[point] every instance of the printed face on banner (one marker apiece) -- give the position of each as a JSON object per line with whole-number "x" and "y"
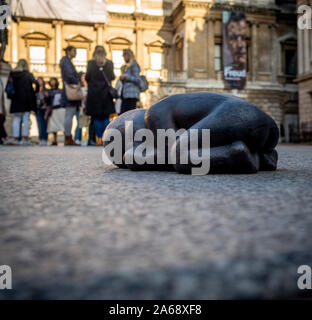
{"x": 234, "y": 49}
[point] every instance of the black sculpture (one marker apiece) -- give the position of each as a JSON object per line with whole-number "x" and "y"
{"x": 242, "y": 137}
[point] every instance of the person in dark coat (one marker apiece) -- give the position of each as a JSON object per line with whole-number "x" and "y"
{"x": 99, "y": 102}
{"x": 69, "y": 76}
{"x": 23, "y": 100}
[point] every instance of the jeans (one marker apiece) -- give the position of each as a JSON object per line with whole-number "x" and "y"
{"x": 78, "y": 131}
{"x": 42, "y": 125}
{"x": 70, "y": 112}
{"x": 17, "y": 119}
{"x": 100, "y": 125}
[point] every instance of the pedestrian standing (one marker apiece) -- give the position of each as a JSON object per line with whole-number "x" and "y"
{"x": 100, "y": 104}
{"x": 23, "y": 100}
{"x": 55, "y": 115}
{"x": 130, "y": 78}
{"x": 41, "y": 98}
{"x": 70, "y": 77}
{"x": 3, "y": 134}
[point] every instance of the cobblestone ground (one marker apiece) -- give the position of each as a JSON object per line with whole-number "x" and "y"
{"x": 72, "y": 228}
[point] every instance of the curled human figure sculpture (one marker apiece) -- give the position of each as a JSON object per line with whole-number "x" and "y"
{"x": 242, "y": 137}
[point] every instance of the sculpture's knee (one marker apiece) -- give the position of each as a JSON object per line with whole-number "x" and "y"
{"x": 268, "y": 161}
{"x": 243, "y": 159}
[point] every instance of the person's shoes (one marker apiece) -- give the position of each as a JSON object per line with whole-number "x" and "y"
{"x": 78, "y": 142}
{"x": 99, "y": 142}
{"x": 26, "y": 143}
{"x": 54, "y": 143}
{"x": 91, "y": 143}
{"x": 11, "y": 142}
{"x": 43, "y": 143}
{"x": 70, "y": 142}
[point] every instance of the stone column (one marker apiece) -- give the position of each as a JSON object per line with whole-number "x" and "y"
{"x": 140, "y": 47}
{"x": 211, "y": 48}
{"x": 14, "y": 41}
{"x": 58, "y": 25}
{"x": 254, "y": 49}
{"x": 99, "y": 34}
{"x": 185, "y": 45}
{"x": 274, "y": 52}
{"x": 306, "y": 51}
{"x": 300, "y": 52}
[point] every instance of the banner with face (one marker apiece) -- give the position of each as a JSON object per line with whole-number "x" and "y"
{"x": 234, "y": 49}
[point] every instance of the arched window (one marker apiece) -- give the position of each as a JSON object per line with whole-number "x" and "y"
{"x": 116, "y": 46}
{"x": 37, "y": 44}
{"x": 83, "y": 46}
{"x": 157, "y": 51}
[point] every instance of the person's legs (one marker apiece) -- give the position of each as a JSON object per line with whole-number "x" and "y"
{"x": 26, "y": 125}
{"x": 16, "y": 124}
{"x": 91, "y": 141}
{"x": 128, "y": 104}
{"x": 3, "y": 134}
{"x": 39, "y": 124}
{"x": 70, "y": 112}
{"x": 44, "y": 126}
{"x": 78, "y": 131}
{"x": 54, "y": 143}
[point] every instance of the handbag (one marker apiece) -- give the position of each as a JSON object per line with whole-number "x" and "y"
{"x": 112, "y": 91}
{"x": 9, "y": 89}
{"x": 73, "y": 92}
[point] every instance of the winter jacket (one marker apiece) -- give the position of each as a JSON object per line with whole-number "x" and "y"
{"x": 131, "y": 84}
{"x": 69, "y": 76}
{"x": 99, "y": 101}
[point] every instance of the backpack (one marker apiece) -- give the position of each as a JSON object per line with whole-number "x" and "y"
{"x": 143, "y": 84}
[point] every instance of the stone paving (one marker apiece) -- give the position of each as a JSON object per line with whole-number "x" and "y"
{"x": 72, "y": 227}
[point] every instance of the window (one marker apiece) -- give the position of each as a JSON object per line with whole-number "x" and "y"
{"x": 118, "y": 61}
{"x": 81, "y": 59}
{"x": 156, "y": 60}
{"x": 289, "y": 58}
{"x": 291, "y": 62}
{"x": 179, "y": 55}
{"x": 218, "y": 57}
{"x": 37, "y": 56}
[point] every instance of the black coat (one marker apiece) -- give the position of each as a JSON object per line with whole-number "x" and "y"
{"x": 99, "y": 102}
{"x": 24, "y": 99}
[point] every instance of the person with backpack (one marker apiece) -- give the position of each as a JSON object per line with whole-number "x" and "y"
{"x": 20, "y": 89}
{"x": 131, "y": 82}
{"x": 100, "y": 104}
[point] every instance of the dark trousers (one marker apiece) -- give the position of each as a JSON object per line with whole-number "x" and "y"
{"x": 128, "y": 104}
{"x": 3, "y": 133}
{"x": 42, "y": 125}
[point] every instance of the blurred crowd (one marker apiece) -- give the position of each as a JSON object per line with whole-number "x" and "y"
{"x": 89, "y": 97}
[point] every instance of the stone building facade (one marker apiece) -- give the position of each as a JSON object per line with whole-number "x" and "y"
{"x": 304, "y": 79}
{"x": 178, "y": 44}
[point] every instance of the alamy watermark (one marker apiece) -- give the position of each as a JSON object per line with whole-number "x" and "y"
{"x": 305, "y": 280}
{"x": 5, "y": 14}
{"x": 143, "y": 147}
{"x": 305, "y": 19}
{"x": 5, "y": 277}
